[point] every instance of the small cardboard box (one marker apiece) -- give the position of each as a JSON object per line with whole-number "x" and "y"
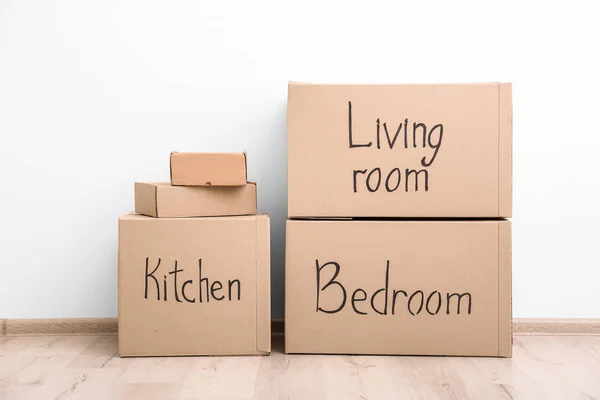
{"x": 194, "y": 286}
{"x": 400, "y": 150}
{"x": 164, "y": 200}
{"x": 399, "y": 287}
{"x": 208, "y": 169}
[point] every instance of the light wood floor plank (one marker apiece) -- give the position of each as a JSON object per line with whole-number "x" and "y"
{"x": 88, "y": 367}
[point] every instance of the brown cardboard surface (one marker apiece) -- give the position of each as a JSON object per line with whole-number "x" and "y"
{"x": 208, "y": 169}
{"x": 505, "y": 151}
{"x": 164, "y": 200}
{"x": 359, "y": 150}
{"x": 233, "y": 251}
{"x": 431, "y": 264}
{"x": 505, "y": 290}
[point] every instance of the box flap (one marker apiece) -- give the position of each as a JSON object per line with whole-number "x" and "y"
{"x": 505, "y": 150}
{"x": 287, "y": 306}
{"x": 145, "y": 199}
{"x": 263, "y": 284}
{"x": 171, "y": 166}
{"x": 246, "y": 165}
{"x": 504, "y": 289}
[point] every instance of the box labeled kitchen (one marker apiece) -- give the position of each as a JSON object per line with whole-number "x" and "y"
{"x": 439, "y": 150}
{"x": 208, "y": 169}
{"x": 165, "y": 200}
{"x": 194, "y": 286}
{"x": 399, "y": 287}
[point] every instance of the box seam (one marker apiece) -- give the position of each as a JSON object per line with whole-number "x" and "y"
{"x": 156, "y": 201}
{"x": 256, "y": 266}
{"x": 499, "y": 298}
{"x": 259, "y": 330}
{"x": 505, "y": 154}
{"x": 286, "y": 333}
{"x": 245, "y": 167}
{"x": 119, "y": 250}
{"x": 498, "y": 186}
{"x": 287, "y": 108}
{"x": 171, "y": 166}
{"x": 505, "y": 331}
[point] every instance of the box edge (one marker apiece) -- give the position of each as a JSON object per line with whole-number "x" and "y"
{"x": 505, "y": 333}
{"x": 263, "y": 274}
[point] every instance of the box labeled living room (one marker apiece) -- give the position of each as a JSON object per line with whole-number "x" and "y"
{"x": 400, "y": 150}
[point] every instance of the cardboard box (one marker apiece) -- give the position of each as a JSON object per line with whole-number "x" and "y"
{"x": 400, "y": 150}
{"x": 208, "y": 169}
{"x": 194, "y": 286}
{"x": 164, "y": 200}
{"x": 399, "y": 287}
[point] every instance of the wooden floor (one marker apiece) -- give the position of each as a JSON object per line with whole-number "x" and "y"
{"x": 88, "y": 367}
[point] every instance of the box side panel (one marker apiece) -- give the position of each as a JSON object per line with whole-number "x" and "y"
{"x": 289, "y": 297}
{"x": 393, "y": 150}
{"x": 245, "y": 167}
{"x": 145, "y": 199}
{"x": 263, "y": 284}
{"x": 505, "y": 150}
{"x": 293, "y": 188}
{"x": 171, "y": 166}
{"x": 121, "y": 235}
{"x": 505, "y": 334}
{"x": 392, "y": 287}
{"x": 203, "y": 201}
{"x": 187, "y": 286}
{"x": 208, "y": 169}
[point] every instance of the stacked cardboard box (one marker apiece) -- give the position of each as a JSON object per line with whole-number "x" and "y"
{"x": 398, "y": 242}
{"x": 194, "y": 263}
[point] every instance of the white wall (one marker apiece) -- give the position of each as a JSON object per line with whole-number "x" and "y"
{"x": 94, "y": 95}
